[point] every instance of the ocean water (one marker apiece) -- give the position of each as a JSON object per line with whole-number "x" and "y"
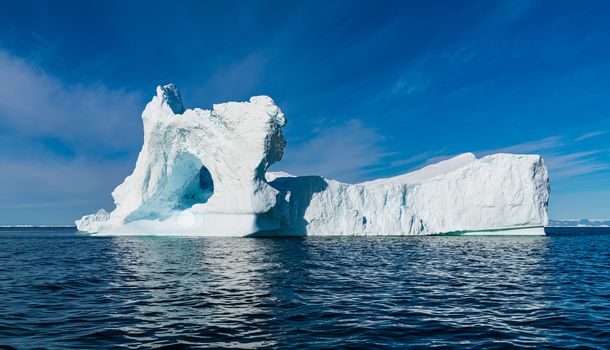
{"x": 63, "y": 290}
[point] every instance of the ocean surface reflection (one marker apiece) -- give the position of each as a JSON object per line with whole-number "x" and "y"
{"x": 64, "y": 290}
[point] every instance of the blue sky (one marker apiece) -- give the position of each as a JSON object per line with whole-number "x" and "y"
{"x": 370, "y": 89}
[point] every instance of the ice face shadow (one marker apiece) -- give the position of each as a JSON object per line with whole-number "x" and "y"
{"x": 291, "y": 209}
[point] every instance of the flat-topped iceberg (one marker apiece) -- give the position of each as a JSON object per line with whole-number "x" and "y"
{"x": 204, "y": 172}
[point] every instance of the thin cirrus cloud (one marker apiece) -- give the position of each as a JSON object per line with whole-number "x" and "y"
{"x": 546, "y": 143}
{"x": 345, "y": 151}
{"x": 353, "y": 152}
{"x": 590, "y": 135}
{"x": 63, "y": 145}
{"x": 85, "y": 116}
{"x": 561, "y": 162}
{"x": 574, "y": 164}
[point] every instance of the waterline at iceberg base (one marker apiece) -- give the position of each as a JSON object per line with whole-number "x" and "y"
{"x": 204, "y": 172}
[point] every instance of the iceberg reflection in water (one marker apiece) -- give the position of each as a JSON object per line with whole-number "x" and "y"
{"x": 64, "y": 290}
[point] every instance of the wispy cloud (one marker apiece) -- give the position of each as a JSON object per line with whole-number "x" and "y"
{"x": 437, "y": 70}
{"x": 353, "y": 152}
{"x": 511, "y": 10}
{"x": 33, "y": 103}
{"x": 418, "y": 158}
{"x": 534, "y": 146}
{"x": 574, "y": 164}
{"x": 561, "y": 161}
{"x": 415, "y": 80}
{"x": 345, "y": 152}
{"x": 590, "y": 135}
{"x": 61, "y": 143}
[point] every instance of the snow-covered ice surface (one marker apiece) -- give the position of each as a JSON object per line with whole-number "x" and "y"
{"x": 204, "y": 172}
{"x": 461, "y": 195}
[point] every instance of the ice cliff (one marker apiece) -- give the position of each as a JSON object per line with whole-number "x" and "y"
{"x": 204, "y": 172}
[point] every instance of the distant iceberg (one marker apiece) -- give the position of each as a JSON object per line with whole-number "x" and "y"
{"x": 204, "y": 172}
{"x": 580, "y": 223}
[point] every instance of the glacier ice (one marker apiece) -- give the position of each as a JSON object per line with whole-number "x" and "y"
{"x": 204, "y": 172}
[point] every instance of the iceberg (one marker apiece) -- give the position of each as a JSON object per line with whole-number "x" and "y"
{"x": 204, "y": 172}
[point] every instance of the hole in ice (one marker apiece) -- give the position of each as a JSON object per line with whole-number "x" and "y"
{"x": 191, "y": 182}
{"x": 201, "y": 187}
{"x": 188, "y": 183}
{"x": 198, "y": 187}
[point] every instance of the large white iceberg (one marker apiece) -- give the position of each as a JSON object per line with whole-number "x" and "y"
{"x": 204, "y": 172}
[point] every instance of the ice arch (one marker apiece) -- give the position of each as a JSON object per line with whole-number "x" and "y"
{"x": 190, "y": 183}
{"x": 199, "y": 171}
{"x": 202, "y": 172}
{"x": 186, "y": 182}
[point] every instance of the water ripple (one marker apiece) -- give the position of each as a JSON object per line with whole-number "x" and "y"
{"x": 61, "y": 290}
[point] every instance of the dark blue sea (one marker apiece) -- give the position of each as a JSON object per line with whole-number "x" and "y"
{"x": 64, "y": 290}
